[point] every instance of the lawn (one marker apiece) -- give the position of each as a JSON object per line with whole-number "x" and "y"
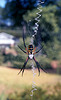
{"x": 10, "y": 81}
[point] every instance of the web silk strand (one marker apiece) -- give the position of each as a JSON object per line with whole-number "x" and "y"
{"x": 35, "y": 31}
{"x": 33, "y": 82}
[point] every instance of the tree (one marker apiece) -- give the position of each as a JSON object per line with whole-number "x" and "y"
{"x": 15, "y": 9}
{"x": 58, "y": 17}
{"x": 48, "y": 23}
{"x": 1, "y": 11}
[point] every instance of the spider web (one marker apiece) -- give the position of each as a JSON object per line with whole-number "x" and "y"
{"x": 33, "y": 31}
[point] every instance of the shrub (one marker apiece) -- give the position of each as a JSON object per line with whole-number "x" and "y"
{"x": 39, "y": 94}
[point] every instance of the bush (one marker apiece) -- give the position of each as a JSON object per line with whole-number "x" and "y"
{"x": 44, "y": 62}
{"x": 39, "y": 94}
{"x": 58, "y": 70}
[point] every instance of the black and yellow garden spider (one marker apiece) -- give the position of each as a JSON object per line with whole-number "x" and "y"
{"x": 31, "y": 51}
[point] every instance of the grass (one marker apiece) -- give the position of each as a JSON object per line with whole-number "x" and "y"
{"x": 10, "y": 81}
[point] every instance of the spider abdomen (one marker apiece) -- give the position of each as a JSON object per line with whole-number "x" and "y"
{"x": 31, "y": 56}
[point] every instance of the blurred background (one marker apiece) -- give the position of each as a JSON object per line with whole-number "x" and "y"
{"x": 17, "y": 16}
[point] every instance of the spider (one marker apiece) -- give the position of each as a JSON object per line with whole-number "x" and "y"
{"x": 31, "y": 51}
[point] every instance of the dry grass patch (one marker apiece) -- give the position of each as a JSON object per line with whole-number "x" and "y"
{"x": 10, "y": 80}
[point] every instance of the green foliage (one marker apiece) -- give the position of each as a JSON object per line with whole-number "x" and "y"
{"x": 8, "y": 57}
{"x": 18, "y": 61}
{"x": 49, "y": 30}
{"x": 53, "y": 49}
{"x": 49, "y": 33}
{"x": 48, "y": 19}
{"x": 15, "y": 11}
{"x": 21, "y": 57}
{"x": 39, "y": 94}
{"x": 14, "y": 96}
{"x": 44, "y": 61}
{"x": 1, "y": 9}
{"x": 49, "y": 52}
{"x": 2, "y": 96}
{"x": 58, "y": 70}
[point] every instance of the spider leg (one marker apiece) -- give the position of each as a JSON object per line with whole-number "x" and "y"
{"x": 37, "y": 51}
{"x": 34, "y": 49}
{"x": 22, "y": 49}
{"x": 22, "y": 69}
{"x": 24, "y": 39}
{"x": 38, "y": 66}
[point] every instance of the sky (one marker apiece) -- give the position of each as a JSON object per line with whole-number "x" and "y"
{"x": 2, "y": 3}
